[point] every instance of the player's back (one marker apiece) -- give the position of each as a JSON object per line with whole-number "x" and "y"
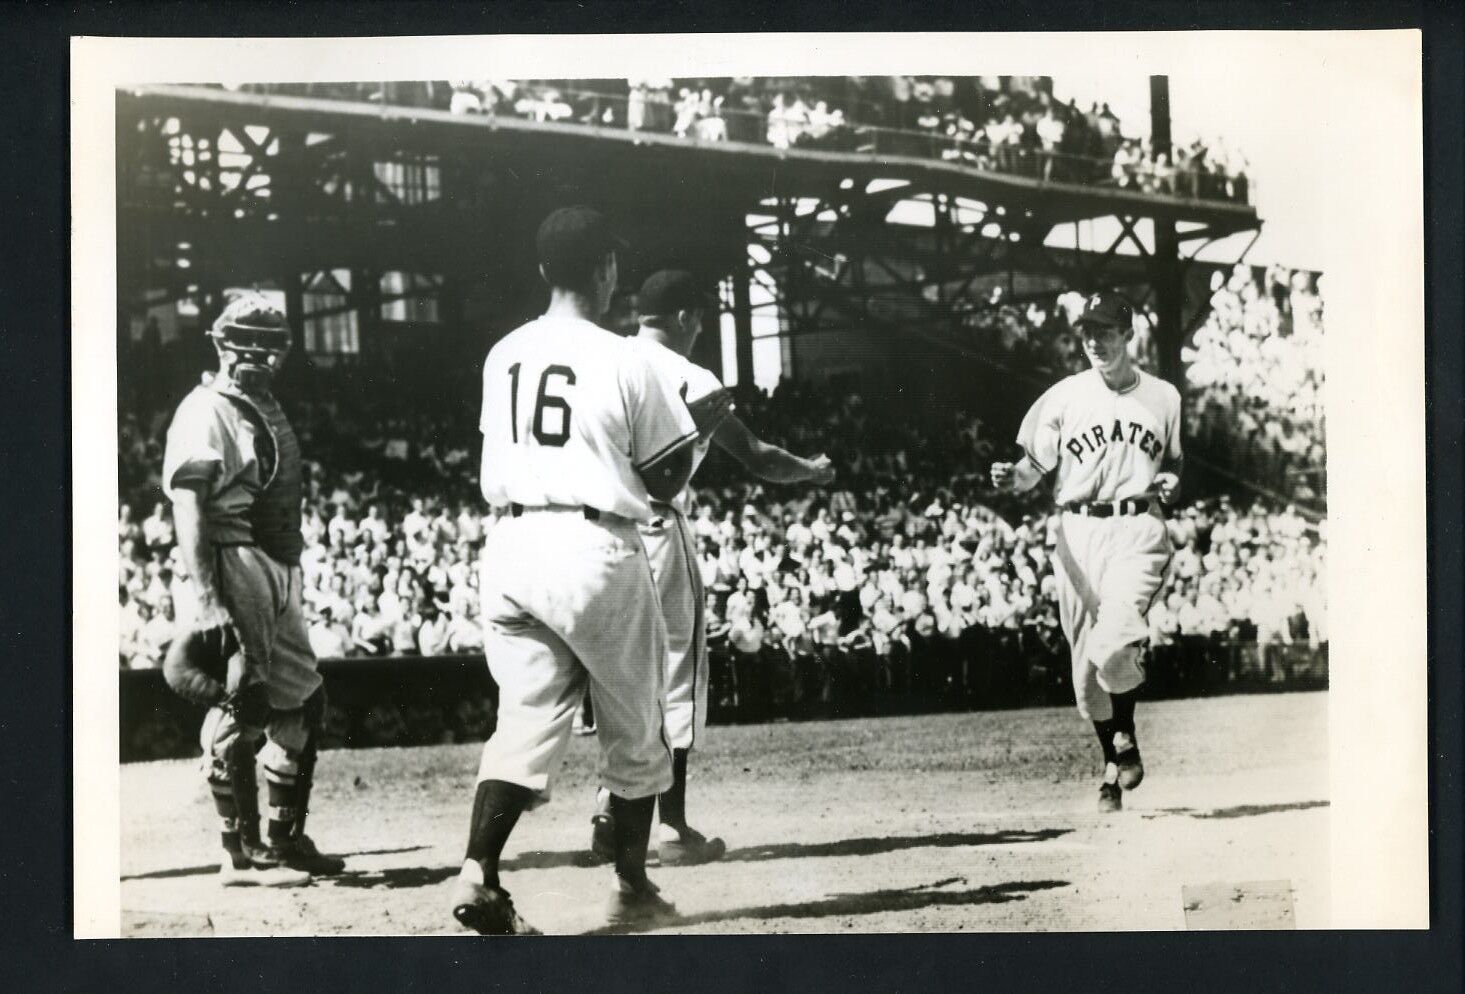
{"x": 560, "y": 419}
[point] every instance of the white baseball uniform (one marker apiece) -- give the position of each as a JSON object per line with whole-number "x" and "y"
{"x": 570, "y": 413}
{"x": 1106, "y": 445}
{"x": 673, "y": 553}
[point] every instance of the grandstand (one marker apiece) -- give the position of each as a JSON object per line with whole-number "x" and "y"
{"x": 903, "y": 269}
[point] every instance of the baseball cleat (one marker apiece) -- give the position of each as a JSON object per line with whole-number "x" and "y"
{"x": 1131, "y": 768}
{"x": 298, "y": 853}
{"x": 690, "y": 848}
{"x": 487, "y": 910}
{"x": 1111, "y": 798}
{"x": 301, "y": 854}
{"x": 603, "y": 838}
{"x": 232, "y": 874}
{"x": 639, "y": 904}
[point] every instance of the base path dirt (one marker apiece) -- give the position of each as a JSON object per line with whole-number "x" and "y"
{"x": 979, "y": 821}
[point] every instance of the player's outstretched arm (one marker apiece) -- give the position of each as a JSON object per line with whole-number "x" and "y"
{"x": 1016, "y": 477}
{"x": 767, "y": 461}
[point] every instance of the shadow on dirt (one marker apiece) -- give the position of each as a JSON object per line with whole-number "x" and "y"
{"x": 870, "y": 903}
{"x": 198, "y": 871}
{"x": 541, "y": 860}
{"x": 421, "y": 876}
{"x": 1239, "y": 811}
{"x": 394, "y": 879}
{"x": 890, "y": 843}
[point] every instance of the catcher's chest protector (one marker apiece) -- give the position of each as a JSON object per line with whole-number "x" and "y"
{"x": 275, "y": 516}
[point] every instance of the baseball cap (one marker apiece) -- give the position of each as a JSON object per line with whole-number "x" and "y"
{"x": 670, "y": 290}
{"x": 1107, "y": 307}
{"x": 573, "y": 237}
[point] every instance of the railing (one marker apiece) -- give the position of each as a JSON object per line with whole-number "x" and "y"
{"x": 718, "y": 124}
{"x": 395, "y": 701}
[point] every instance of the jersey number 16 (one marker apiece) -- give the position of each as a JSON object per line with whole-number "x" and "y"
{"x": 543, "y": 400}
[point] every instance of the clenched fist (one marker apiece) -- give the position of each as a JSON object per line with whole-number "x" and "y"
{"x": 1167, "y": 485}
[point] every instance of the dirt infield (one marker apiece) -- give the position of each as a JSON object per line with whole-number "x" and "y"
{"x": 980, "y": 822}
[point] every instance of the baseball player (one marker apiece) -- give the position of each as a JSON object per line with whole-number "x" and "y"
{"x": 671, "y": 307}
{"x": 1112, "y": 436}
{"x": 232, "y": 469}
{"x": 579, "y": 436}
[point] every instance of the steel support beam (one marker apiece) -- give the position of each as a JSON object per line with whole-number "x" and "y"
{"x": 742, "y": 321}
{"x": 1165, "y": 268}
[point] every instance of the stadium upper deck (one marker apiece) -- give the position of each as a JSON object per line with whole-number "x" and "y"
{"x": 221, "y": 188}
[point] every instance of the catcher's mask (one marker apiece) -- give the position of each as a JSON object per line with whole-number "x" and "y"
{"x": 254, "y": 333}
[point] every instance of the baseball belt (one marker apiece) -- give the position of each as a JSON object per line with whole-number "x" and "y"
{"x": 1108, "y": 508}
{"x": 591, "y": 514}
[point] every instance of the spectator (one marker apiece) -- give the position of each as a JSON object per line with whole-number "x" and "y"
{"x": 1050, "y": 134}
{"x": 370, "y": 634}
{"x": 157, "y": 529}
{"x": 636, "y": 106}
{"x": 374, "y": 524}
{"x": 464, "y": 632}
{"x": 464, "y": 99}
{"x": 128, "y": 530}
{"x": 687, "y": 113}
{"x": 132, "y": 621}
{"x": 432, "y": 630}
{"x": 157, "y": 632}
{"x": 329, "y": 637}
{"x": 710, "y": 126}
{"x": 404, "y": 629}
{"x": 341, "y": 529}
{"x": 779, "y": 133}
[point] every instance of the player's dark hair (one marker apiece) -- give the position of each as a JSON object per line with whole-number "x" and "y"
{"x": 576, "y": 275}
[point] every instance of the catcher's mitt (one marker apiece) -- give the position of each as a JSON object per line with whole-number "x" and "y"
{"x": 196, "y": 666}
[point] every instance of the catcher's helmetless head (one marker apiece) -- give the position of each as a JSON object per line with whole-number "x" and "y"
{"x": 251, "y": 334}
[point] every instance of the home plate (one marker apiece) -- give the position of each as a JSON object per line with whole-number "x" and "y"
{"x": 1260, "y": 904}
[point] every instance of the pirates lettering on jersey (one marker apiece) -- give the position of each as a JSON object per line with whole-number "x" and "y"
{"x": 1093, "y": 440}
{"x": 1102, "y": 444}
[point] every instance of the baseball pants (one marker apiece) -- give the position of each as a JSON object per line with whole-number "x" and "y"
{"x": 262, "y": 596}
{"x": 1110, "y": 570}
{"x": 569, "y": 602}
{"x": 671, "y": 549}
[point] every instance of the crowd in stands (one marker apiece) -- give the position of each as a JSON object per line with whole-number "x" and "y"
{"x": 1254, "y": 378}
{"x": 1038, "y": 335}
{"x": 1010, "y": 124}
{"x": 909, "y": 576}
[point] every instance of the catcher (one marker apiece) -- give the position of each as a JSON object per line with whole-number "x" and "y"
{"x": 232, "y": 469}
